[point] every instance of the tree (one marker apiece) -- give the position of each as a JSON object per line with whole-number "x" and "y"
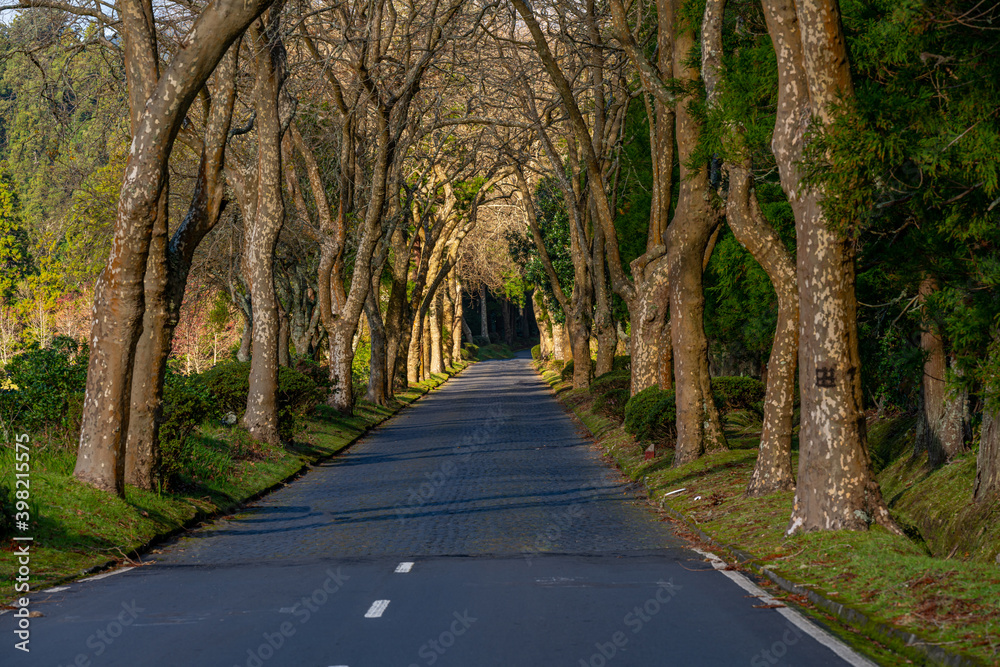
{"x": 836, "y": 487}
{"x": 118, "y": 301}
{"x": 773, "y": 469}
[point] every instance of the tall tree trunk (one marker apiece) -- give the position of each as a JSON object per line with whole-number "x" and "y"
{"x": 119, "y": 292}
{"x": 987, "y": 486}
{"x": 773, "y": 469}
{"x": 261, "y": 236}
{"x": 435, "y": 317}
{"x": 415, "y": 353}
{"x": 688, "y": 236}
{"x": 284, "y": 339}
{"x": 246, "y": 338}
{"x": 836, "y": 486}
{"x": 484, "y": 326}
{"x": 604, "y": 326}
{"x": 426, "y": 348}
{"x": 396, "y": 325}
{"x": 544, "y": 320}
{"x": 943, "y": 415}
{"x": 508, "y": 324}
{"x": 378, "y": 380}
{"x": 458, "y": 320}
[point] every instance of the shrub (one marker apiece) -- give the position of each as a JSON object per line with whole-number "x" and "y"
{"x": 536, "y": 352}
{"x": 652, "y": 415}
{"x": 611, "y": 403}
{"x": 610, "y": 381}
{"x": 622, "y": 362}
{"x": 40, "y": 384}
{"x": 470, "y": 351}
{"x": 7, "y": 508}
{"x": 738, "y": 393}
{"x": 229, "y": 384}
{"x": 567, "y": 372}
{"x": 186, "y": 404}
{"x": 313, "y": 370}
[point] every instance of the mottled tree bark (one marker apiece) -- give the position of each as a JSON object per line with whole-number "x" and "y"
{"x": 261, "y": 236}
{"x": 687, "y": 239}
{"x": 119, "y": 292}
{"x": 435, "y": 316}
{"x": 836, "y": 486}
{"x": 458, "y": 318}
{"x": 773, "y": 469}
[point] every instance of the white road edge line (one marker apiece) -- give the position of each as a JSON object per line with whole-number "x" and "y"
{"x": 404, "y": 567}
{"x": 842, "y": 650}
{"x": 105, "y": 575}
{"x": 377, "y": 609}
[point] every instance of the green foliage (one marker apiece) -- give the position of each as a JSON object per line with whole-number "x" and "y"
{"x": 738, "y": 393}
{"x": 536, "y": 352}
{"x": 741, "y": 309}
{"x": 616, "y": 379}
{"x": 40, "y": 385}
{"x": 612, "y": 403}
{"x": 15, "y": 254}
{"x": 229, "y": 384}
{"x": 7, "y": 508}
{"x": 652, "y": 415}
{"x": 361, "y": 365}
{"x": 187, "y": 402}
{"x": 470, "y": 352}
{"x": 567, "y": 372}
{"x": 611, "y": 392}
{"x": 622, "y": 362}
{"x": 553, "y": 222}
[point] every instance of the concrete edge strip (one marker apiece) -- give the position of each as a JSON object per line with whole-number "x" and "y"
{"x": 847, "y": 615}
{"x": 842, "y": 650}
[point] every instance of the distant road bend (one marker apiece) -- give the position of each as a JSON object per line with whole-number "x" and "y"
{"x": 476, "y": 528}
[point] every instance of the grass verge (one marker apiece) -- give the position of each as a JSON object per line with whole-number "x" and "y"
{"x": 926, "y": 584}
{"x": 77, "y": 529}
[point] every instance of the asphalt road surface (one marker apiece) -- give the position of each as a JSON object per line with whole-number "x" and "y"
{"x": 478, "y": 527}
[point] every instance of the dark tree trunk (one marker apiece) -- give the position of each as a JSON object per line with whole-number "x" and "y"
{"x": 484, "y": 321}
{"x": 987, "y": 484}
{"x": 378, "y": 385}
{"x": 944, "y": 415}
{"x": 284, "y": 338}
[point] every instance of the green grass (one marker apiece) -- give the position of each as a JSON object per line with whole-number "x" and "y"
{"x": 76, "y": 527}
{"x": 910, "y": 583}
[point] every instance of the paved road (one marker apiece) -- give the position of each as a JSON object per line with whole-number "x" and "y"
{"x": 476, "y": 528}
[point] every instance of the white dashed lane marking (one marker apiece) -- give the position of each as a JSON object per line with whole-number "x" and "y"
{"x": 377, "y": 609}
{"x": 404, "y": 567}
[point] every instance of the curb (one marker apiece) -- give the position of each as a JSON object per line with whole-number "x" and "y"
{"x": 849, "y": 616}
{"x": 201, "y": 517}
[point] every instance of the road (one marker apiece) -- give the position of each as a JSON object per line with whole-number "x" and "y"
{"x": 478, "y": 527}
